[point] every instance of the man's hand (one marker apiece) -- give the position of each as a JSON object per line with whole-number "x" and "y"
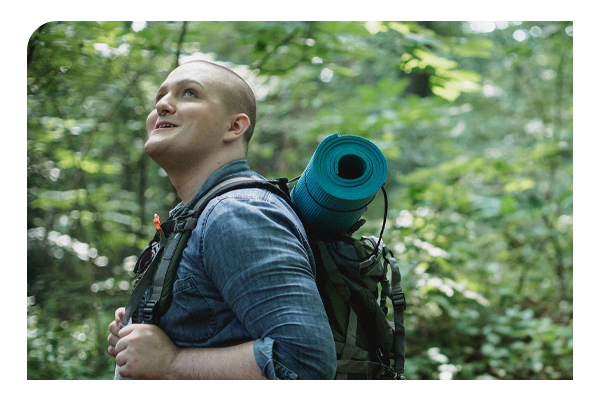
{"x": 114, "y": 329}
{"x": 144, "y": 351}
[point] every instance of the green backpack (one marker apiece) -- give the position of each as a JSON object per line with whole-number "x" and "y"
{"x": 351, "y": 275}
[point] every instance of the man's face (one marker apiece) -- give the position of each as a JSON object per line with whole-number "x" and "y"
{"x": 189, "y": 118}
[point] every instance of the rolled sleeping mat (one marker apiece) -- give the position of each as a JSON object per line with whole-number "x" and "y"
{"x": 341, "y": 179}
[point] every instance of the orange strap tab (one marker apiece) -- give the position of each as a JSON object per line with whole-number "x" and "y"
{"x": 157, "y": 222}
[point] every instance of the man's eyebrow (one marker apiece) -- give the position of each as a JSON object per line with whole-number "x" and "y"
{"x": 182, "y": 82}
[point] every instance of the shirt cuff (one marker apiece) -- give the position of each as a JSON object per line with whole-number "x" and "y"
{"x": 269, "y": 366}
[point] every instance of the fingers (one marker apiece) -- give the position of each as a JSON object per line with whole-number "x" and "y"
{"x": 119, "y": 314}
{"x": 112, "y": 341}
{"x": 120, "y": 360}
{"x": 113, "y": 338}
{"x": 126, "y": 330}
{"x": 119, "y": 344}
{"x": 114, "y": 329}
{"x": 116, "y": 345}
{"x": 112, "y": 351}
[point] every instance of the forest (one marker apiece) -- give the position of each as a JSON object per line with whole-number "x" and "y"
{"x": 475, "y": 120}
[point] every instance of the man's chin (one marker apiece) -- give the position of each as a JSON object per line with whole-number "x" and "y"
{"x": 155, "y": 149}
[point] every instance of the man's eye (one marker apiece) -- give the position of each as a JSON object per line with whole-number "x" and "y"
{"x": 189, "y": 92}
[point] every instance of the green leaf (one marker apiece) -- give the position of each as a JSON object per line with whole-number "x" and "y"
{"x": 480, "y": 48}
{"x": 519, "y": 185}
{"x": 508, "y": 205}
{"x": 344, "y": 71}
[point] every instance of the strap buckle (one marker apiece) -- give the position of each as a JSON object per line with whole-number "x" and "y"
{"x": 387, "y": 373}
{"x": 375, "y": 255}
{"x": 185, "y": 224}
{"x": 370, "y": 261}
{"x": 282, "y": 183}
{"x": 149, "y": 311}
{"x": 398, "y": 299}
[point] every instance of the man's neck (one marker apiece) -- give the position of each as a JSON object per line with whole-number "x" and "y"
{"x": 187, "y": 186}
{"x": 188, "y": 181}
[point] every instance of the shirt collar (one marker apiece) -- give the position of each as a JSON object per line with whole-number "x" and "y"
{"x": 238, "y": 167}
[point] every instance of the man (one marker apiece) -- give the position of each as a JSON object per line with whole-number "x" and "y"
{"x": 245, "y": 304}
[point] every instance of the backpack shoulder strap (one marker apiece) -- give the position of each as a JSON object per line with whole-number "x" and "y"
{"x": 395, "y": 293}
{"x": 160, "y": 274}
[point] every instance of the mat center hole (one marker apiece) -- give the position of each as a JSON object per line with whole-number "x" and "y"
{"x": 351, "y": 166}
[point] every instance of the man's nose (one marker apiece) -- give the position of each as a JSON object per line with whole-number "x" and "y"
{"x": 165, "y": 105}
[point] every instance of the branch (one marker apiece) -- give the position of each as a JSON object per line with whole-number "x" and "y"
{"x": 180, "y": 42}
{"x": 559, "y": 266}
{"x": 558, "y": 120}
{"x": 259, "y": 63}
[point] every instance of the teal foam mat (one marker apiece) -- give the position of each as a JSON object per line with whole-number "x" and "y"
{"x": 343, "y": 176}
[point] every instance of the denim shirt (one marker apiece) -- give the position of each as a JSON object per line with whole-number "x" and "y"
{"x": 246, "y": 274}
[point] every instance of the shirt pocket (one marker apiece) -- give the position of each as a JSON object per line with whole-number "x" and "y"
{"x": 190, "y": 319}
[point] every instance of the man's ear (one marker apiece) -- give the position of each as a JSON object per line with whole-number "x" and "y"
{"x": 239, "y": 124}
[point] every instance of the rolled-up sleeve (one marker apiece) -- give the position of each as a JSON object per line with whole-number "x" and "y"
{"x": 254, "y": 254}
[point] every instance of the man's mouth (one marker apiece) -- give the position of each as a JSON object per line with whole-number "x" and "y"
{"x": 165, "y": 125}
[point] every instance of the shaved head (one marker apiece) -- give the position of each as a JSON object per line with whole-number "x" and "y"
{"x": 234, "y": 92}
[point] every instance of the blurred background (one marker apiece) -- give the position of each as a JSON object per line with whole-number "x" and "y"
{"x": 475, "y": 120}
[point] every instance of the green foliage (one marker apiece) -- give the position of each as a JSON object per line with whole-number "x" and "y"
{"x": 476, "y": 125}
